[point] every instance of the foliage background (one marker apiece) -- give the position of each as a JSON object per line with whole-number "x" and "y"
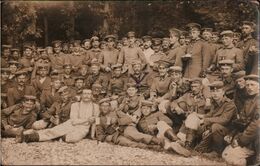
{"x": 44, "y": 21}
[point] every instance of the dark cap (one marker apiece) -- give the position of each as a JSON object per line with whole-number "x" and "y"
{"x": 131, "y": 34}
{"x": 56, "y": 77}
{"x": 27, "y": 46}
{"x": 67, "y": 65}
{"x": 136, "y": 62}
{"x": 29, "y": 97}
{"x": 175, "y": 68}
{"x": 157, "y": 41}
{"x": 6, "y": 46}
{"x": 252, "y": 77}
{"x": 56, "y": 43}
{"x": 79, "y": 78}
{"x": 110, "y": 38}
{"x": 15, "y": 49}
{"x": 239, "y": 74}
{"x": 251, "y": 24}
{"x": 215, "y": 33}
{"x": 216, "y": 85}
{"x": 43, "y": 66}
{"x": 175, "y": 32}
{"x": 104, "y": 100}
{"x": 196, "y": 81}
{"x": 226, "y": 62}
{"x": 193, "y": 26}
{"x": 147, "y": 103}
{"x": 165, "y": 63}
{"x": 22, "y": 72}
{"x": 147, "y": 38}
{"x": 63, "y": 89}
{"x": 207, "y": 29}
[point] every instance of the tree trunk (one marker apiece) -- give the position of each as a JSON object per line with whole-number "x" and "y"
{"x": 46, "y": 34}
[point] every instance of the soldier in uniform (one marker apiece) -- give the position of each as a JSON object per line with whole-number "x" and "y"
{"x": 216, "y": 123}
{"x": 49, "y": 96}
{"x": 249, "y": 46}
{"x": 236, "y": 38}
{"x": 77, "y": 57}
{"x": 97, "y": 92}
{"x": 27, "y": 60}
{"x": 18, "y": 117}
{"x": 58, "y": 113}
{"x": 15, "y": 54}
{"x": 86, "y": 44}
{"x": 131, "y": 53}
{"x": 6, "y": 52}
{"x": 5, "y": 84}
{"x": 166, "y": 43}
{"x": 108, "y": 56}
{"x": 95, "y": 51}
{"x": 13, "y": 67}
{"x": 42, "y": 80}
{"x": 228, "y": 51}
{"x": 67, "y": 75}
{"x": 247, "y": 121}
{"x": 141, "y": 79}
{"x": 57, "y": 58}
{"x": 240, "y": 89}
{"x": 197, "y": 54}
{"x": 78, "y": 87}
{"x": 16, "y": 93}
{"x": 176, "y": 52}
{"x": 147, "y": 50}
{"x": 158, "y": 54}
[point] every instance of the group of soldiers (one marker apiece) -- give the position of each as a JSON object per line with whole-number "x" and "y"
{"x": 196, "y": 90}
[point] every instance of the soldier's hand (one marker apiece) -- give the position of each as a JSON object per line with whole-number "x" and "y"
{"x": 54, "y": 120}
{"x": 107, "y": 69}
{"x": 253, "y": 49}
{"x": 7, "y": 127}
{"x": 91, "y": 120}
{"x": 228, "y": 139}
{"x": 234, "y": 143}
{"x": 179, "y": 110}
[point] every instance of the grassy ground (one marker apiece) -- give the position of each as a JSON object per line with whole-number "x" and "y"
{"x": 89, "y": 152}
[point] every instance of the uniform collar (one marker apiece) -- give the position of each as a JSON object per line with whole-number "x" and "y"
{"x": 247, "y": 38}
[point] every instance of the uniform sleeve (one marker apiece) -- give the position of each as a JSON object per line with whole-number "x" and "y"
{"x": 100, "y": 133}
{"x": 86, "y": 59}
{"x": 206, "y": 56}
{"x": 250, "y": 133}
{"x": 239, "y": 64}
{"x": 141, "y": 55}
{"x": 121, "y": 56}
{"x": 164, "y": 118}
{"x": 10, "y": 97}
{"x": 180, "y": 53}
{"x": 47, "y": 114}
{"x": 226, "y": 117}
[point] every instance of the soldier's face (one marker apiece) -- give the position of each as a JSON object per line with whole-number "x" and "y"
{"x": 217, "y": 94}
{"x": 165, "y": 44}
{"x": 194, "y": 34}
{"x": 206, "y": 36}
{"x": 196, "y": 88}
{"x": 95, "y": 70}
{"x": 56, "y": 84}
{"x": 87, "y": 45}
{"x": 215, "y": 38}
{"x": 43, "y": 72}
{"x": 83, "y": 70}
{"x": 252, "y": 87}
{"x": 182, "y": 41}
{"x": 110, "y": 44}
{"x": 146, "y": 110}
{"x": 28, "y": 105}
{"x": 173, "y": 39}
{"x": 125, "y": 42}
{"x": 86, "y": 95}
{"x": 137, "y": 68}
{"x": 117, "y": 72}
{"x": 241, "y": 83}
{"x": 95, "y": 44}
{"x": 131, "y": 40}
{"x": 65, "y": 48}
{"x": 13, "y": 68}
{"x": 131, "y": 91}
{"x": 105, "y": 108}
{"x": 147, "y": 44}
{"x": 28, "y": 52}
{"x": 79, "y": 84}
{"x": 67, "y": 70}
{"x": 156, "y": 48}
{"x": 65, "y": 96}
{"x": 4, "y": 76}
{"x": 176, "y": 76}
{"x": 162, "y": 70}
{"x": 49, "y": 50}
{"x": 226, "y": 40}
{"x": 226, "y": 71}
{"x": 96, "y": 91}
{"x": 21, "y": 79}
{"x": 119, "y": 46}
{"x": 57, "y": 49}
{"x": 16, "y": 55}
{"x": 246, "y": 30}
{"x": 6, "y": 52}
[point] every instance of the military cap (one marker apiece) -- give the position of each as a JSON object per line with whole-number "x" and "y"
{"x": 13, "y": 62}
{"x": 67, "y": 65}
{"x": 147, "y": 38}
{"x": 146, "y": 103}
{"x": 239, "y": 74}
{"x": 48, "y": 47}
{"x": 196, "y": 80}
{"x": 22, "y": 72}
{"x": 131, "y": 34}
{"x": 94, "y": 38}
{"x": 183, "y": 34}
{"x": 96, "y": 85}
{"x": 110, "y": 38}
{"x": 6, "y": 46}
{"x": 29, "y": 97}
{"x": 54, "y": 72}
{"x": 124, "y": 38}
{"x": 176, "y": 68}
{"x": 116, "y": 66}
{"x": 166, "y": 39}
{"x": 227, "y": 33}
{"x": 136, "y": 62}
{"x": 40, "y": 50}
{"x": 3, "y": 94}
{"x": 43, "y": 66}
{"x": 193, "y": 26}
{"x": 104, "y": 100}
{"x": 63, "y": 89}
{"x": 86, "y": 40}
{"x": 103, "y": 42}
{"x": 79, "y": 78}
{"x": 165, "y": 63}
{"x": 157, "y": 41}
{"x": 15, "y": 49}
{"x": 56, "y": 77}
{"x": 252, "y": 77}
{"x": 5, "y": 70}
{"x": 76, "y": 42}
{"x": 215, "y": 33}
{"x": 251, "y": 24}
{"x": 207, "y": 29}
{"x": 139, "y": 40}
{"x": 175, "y": 31}
{"x": 131, "y": 85}
{"x": 56, "y": 43}
{"x": 226, "y": 62}
{"x": 27, "y": 46}
{"x": 216, "y": 85}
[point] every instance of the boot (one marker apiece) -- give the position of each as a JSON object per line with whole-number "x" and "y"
{"x": 157, "y": 141}
{"x": 19, "y": 135}
{"x": 180, "y": 149}
{"x": 190, "y": 137}
{"x": 34, "y": 137}
{"x": 171, "y": 135}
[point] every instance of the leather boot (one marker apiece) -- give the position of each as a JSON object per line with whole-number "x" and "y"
{"x": 171, "y": 135}
{"x": 34, "y": 137}
{"x": 19, "y": 135}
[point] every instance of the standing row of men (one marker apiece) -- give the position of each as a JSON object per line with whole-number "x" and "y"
{"x": 181, "y": 93}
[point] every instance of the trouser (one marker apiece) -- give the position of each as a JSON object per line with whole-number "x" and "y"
{"x": 39, "y": 125}
{"x": 124, "y": 141}
{"x": 10, "y": 133}
{"x": 71, "y": 133}
{"x": 218, "y": 134}
{"x": 132, "y": 133}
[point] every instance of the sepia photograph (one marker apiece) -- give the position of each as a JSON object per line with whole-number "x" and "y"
{"x": 130, "y": 82}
